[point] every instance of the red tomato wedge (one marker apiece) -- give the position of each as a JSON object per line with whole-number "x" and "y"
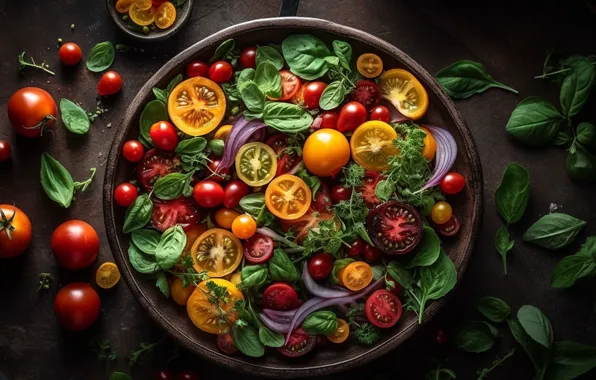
{"x": 290, "y": 85}
{"x": 383, "y": 309}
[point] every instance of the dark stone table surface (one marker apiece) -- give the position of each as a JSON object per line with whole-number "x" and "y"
{"x": 510, "y": 37}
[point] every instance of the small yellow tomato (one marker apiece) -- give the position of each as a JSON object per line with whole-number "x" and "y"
{"x": 441, "y": 212}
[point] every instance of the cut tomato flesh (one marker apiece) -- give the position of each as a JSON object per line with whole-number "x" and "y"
{"x": 218, "y": 252}
{"x": 181, "y": 211}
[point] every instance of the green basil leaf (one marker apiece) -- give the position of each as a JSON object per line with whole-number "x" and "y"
{"x": 281, "y": 267}
{"x": 586, "y": 134}
{"x": 554, "y": 231}
{"x": 503, "y": 244}
{"x": 287, "y": 118}
{"x": 333, "y": 95}
{"x": 535, "y": 351}
{"x": 56, "y": 181}
{"x": 428, "y": 250}
{"x": 562, "y": 139}
{"x": 270, "y": 338}
{"x": 74, "y": 117}
{"x": 466, "y": 78}
{"x": 170, "y": 247}
{"x": 271, "y": 55}
{"x": 312, "y": 181}
{"x": 343, "y": 51}
{"x": 146, "y": 240}
{"x": 588, "y": 248}
{"x": 268, "y": 80}
{"x": 337, "y": 266}
{"x": 253, "y": 204}
{"x": 402, "y": 275}
{"x": 513, "y": 193}
{"x": 142, "y": 263}
{"x": 101, "y": 57}
{"x": 253, "y": 97}
{"x": 571, "y": 269}
{"x": 246, "y": 76}
{"x": 119, "y": 376}
{"x": 217, "y": 146}
{"x": 191, "y": 146}
{"x": 475, "y": 337}
{"x": 570, "y": 360}
{"x": 384, "y": 190}
{"x": 581, "y": 164}
{"x": 153, "y": 112}
{"x": 138, "y": 214}
{"x": 576, "y": 88}
{"x": 253, "y": 276}
{"x": 332, "y": 60}
{"x": 378, "y": 271}
{"x": 536, "y": 325}
{"x": 320, "y": 323}
{"x": 171, "y": 186}
{"x": 161, "y": 95}
{"x": 223, "y": 50}
{"x": 162, "y": 284}
{"x": 535, "y": 121}
{"x": 305, "y": 55}
{"x": 495, "y": 309}
{"x": 173, "y": 83}
{"x": 247, "y": 341}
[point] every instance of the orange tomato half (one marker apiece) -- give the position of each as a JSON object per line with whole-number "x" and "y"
{"x": 356, "y": 276}
{"x": 372, "y": 145}
{"x": 341, "y": 333}
{"x": 213, "y": 318}
{"x": 217, "y": 251}
{"x": 288, "y": 197}
{"x": 166, "y": 15}
{"x": 430, "y": 145}
{"x": 369, "y": 65}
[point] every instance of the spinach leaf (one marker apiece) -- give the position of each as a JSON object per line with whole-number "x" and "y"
{"x": 101, "y": 57}
{"x": 428, "y": 249}
{"x": 305, "y": 55}
{"x": 503, "y": 244}
{"x": 570, "y": 360}
{"x": 333, "y": 95}
{"x": 554, "y": 231}
{"x": 138, "y": 214}
{"x": 253, "y": 97}
{"x": 119, "y": 376}
{"x": 173, "y": 83}
{"x": 513, "y": 193}
{"x": 217, "y": 146}
{"x": 153, "y": 112}
{"x": 161, "y": 282}
{"x": 435, "y": 281}
{"x": 337, "y": 266}
{"x": 466, "y": 78}
{"x": 56, "y": 181}
{"x": 246, "y": 76}
{"x": 320, "y": 323}
{"x": 223, "y": 50}
{"x": 576, "y": 88}
{"x": 571, "y": 269}
{"x": 268, "y": 79}
{"x": 581, "y": 164}
{"x": 171, "y": 186}
{"x": 476, "y": 337}
{"x": 170, "y": 247}
{"x": 74, "y": 117}
{"x": 343, "y": 51}
{"x": 247, "y": 341}
{"x": 537, "y": 353}
{"x": 536, "y": 325}
{"x": 253, "y": 276}
{"x": 588, "y": 249}
{"x": 142, "y": 263}
{"x": 161, "y": 95}
{"x": 146, "y": 240}
{"x": 271, "y": 55}
{"x": 286, "y": 118}
{"x": 586, "y": 134}
{"x": 281, "y": 267}
{"x": 191, "y": 146}
{"x": 401, "y": 274}
{"x": 535, "y": 121}
{"x": 495, "y": 309}
{"x": 270, "y": 338}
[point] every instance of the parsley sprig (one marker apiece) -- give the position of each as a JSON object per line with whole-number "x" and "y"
{"x": 365, "y": 333}
{"x": 190, "y": 276}
{"x": 103, "y": 349}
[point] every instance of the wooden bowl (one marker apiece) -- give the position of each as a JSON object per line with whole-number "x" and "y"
{"x": 330, "y": 358}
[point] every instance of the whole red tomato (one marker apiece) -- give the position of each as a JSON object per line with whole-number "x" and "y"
{"x": 125, "y": 194}
{"x": 5, "y": 150}
{"x": 189, "y": 374}
{"x": 165, "y": 374}
{"x": 133, "y": 151}
{"x": 320, "y": 266}
{"x": 370, "y": 253}
{"x": 220, "y": 72}
{"x": 75, "y": 244}
{"x": 77, "y": 306}
{"x": 208, "y": 194}
{"x": 248, "y": 57}
{"x": 234, "y": 192}
{"x": 329, "y": 119}
{"x": 70, "y": 53}
{"x": 109, "y": 84}
{"x": 312, "y": 94}
{"x": 218, "y": 174}
{"x": 380, "y": 113}
{"x": 355, "y": 248}
{"x": 164, "y": 136}
{"x": 340, "y": 193}
{"x": 351, "y": 116}
{"x": 31, "y": 110}
{"x": 15, "y": 234}
{"x": 197, "y": 69}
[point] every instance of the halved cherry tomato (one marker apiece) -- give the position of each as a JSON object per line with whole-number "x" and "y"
{"x": 143, "y": 4}
{"x": 441, "y": 212}
{"x": 355, "y": 276}
{"x": 329, "y": 119}
{"x": 322, "y": 199}
{"x": 369, "y": 65}
{"x": 234, "y": 192}
{"x": 142, "y": 17}
{"x": 351, "y": 116}
{"x": 300, "y": 343}
{"x": 221, "y": 71}
{"x": 368, "y": 191}
{"x": 133, "y": 151}
{"x": 123, "y": 6}
{"x": 180, "y": 211}
{"x": 224, "y": 217}
{"x": 288, "y": 197}
{"x": 180, "y": 294}
{"x": 166, "y": 15}
{"x": 325, "y": 152}
{"x": 248, "y": 57}
{"x": 286, "y": 159}
{"x": 405, "y": 92}
{"x": 156, "y": 164}
{"x": 107, "y": 275}
{"x": 202, "y": 311}
{"x": 367, "y": 93}
{"x": 197, "y": 106}
{"x": 449, "y": 228}
{"x": 383, "y": 309}
{"x": 244, "y": 226}
{"x": 341, "y": 333}
{"x": 290, "y": 85}
{"x": 280, "y": 296}
{"x": 312, "y": 94}
{"x": 380, "y": 113}
{"x": 226, "y": 344}
{"x": 223, "y": 132}
{"x": 163, "y": 134}
{"x": 197, "y": 69}
{"x": 258, "y": 249}
{"x": 452, "y": 183}
{"x": 430, "y": 145}
{"x": 256, "y": 164}
{"x": 372, "y": 145}
{"x": 217, "y": 251}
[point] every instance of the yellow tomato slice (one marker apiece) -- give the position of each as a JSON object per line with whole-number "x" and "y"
{"x": 166, "y": 15}
{"x": 256, "y": 164}
{"x": 288, "y": 197}
{"x": 197, "y": 106}
{"x": 356, "y": 276}
{"x": 369, "y": 65}
{"x": 143, "y": 4}
{"x": 430, "y": 145}
{"x": 372, "y": 145}
{"x": 141, "y": 17}
{"x": 123, "y": 6}
{"x": 223, "y": 132}
{"x": 107, "y": 275}
{"x": 341, "y": 333}
{"x": 210, "y": 314}
{"x": 405, "y": 92}
{"x": 217, "y": 251}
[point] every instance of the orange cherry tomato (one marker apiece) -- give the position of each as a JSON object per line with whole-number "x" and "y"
{"x": 341, "y": 333}
{"x": 180, "y": 294}
{"x": 122, "y": 6}
{"x": 244, "y": 226}
{"x": 217, "y": 251}
{"x": 372, "y": 145}
{"x": 107, "y": 275}
{"x": 223, "y": 132}
{"x": 236, "y": 279}
{"x": 208, "y": 317}
{"x": 325, "y": 152}
{"x": 405, "y": 92}
{"x": 369, "y": 65}
{"x": 143, "y": 4}
{"x": 441, "y": 212}
{"x": 224, "y": 217}
{"x": 430, "y": 145}
{"x": 356, "y": 276}
{"x": 290, "y": 85}
{"x": 288, "y": 197}
{"x": 166, "y": 15}
{"x": 142, "y": 17}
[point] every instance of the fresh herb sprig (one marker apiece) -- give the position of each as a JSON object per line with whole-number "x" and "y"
{"x": 144, "y": 348}
{"x": 483, "y": 373}
{"x": 23, "y": 64}
{"x": 364, "y": 332}
{"x": 103, "y": 349}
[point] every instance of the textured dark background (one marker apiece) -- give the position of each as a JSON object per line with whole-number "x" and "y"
{"x": 510, "y": 38}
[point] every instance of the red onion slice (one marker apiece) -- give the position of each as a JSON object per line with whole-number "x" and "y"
{"x": 240, "y": 134}
{"x": 318, "y": 290}
{"x": 445, "y": 156}
{"x": 279, "y": 314}
{"x": 395, "y": 115}
{"x": 281, "y": 328}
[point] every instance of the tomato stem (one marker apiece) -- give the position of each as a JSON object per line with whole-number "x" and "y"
{"x": 6, "y": 224}
{"x": 23, "y": 63}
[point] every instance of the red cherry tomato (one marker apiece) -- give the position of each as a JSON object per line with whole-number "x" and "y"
{"x": 441, "y": 337}
{"x": 109, "y": 84}
{"x": 208, "y": 194}
{"x": 322, "y": 201}
{"x": 164, "y": 136}
{"x": 280, "y": 296}
{"x": 189, "y": 374}
{"x": 248, "y": 57}
{"x": 17, "y": 222}
{"x": 181, "y": 211}
{"x": 31, "y": 110}
{"x": 226, "y": 344}
{"x": 290, "y": 85}
{"x": 340, "y": 193}
{"x": 355, "y": 248}
{"x": 70, "y": 53}
{"x": 380, "y": 113}
{"x": 351, "y": 116}
{"x": 77, "y": 306}
{"x": 329, "y": 119}
{"x": 370, "y": 253}
{"x": 75, "y": 244}
{"x": 133, "y": 151}
{"x": 4, "y": 150}
{"x": 320, "y": 266}
{"x": 220, "y": 72}
{"x": 234, "y": 192}
{"x": 125, "y": 194}
{"x": 197, "y": 69}
{"x": 165, "y": 374}
{"x": 453, "y": 183}
{"x": 312, "y": 94}
{"x": 383, "y": 309}
{"x": 258, "y": 249}
{"x": 218, "y": 174}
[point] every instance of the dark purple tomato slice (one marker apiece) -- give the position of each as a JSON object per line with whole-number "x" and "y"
{"x": 258, "y": 249}
{"x": 450, "y": 228}
{"x": 394, "y": 227}
{"x": 300, "y": 343}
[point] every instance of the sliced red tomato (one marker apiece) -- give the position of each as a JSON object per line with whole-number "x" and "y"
{"x": 156, "y": 164}
{"x": 280, "y": 296}
{"x": 305, "y": 223}
{"x": 258, "y": 249}
{"x": 368, "y": 190}
{"x": 290, "y": 85}
{"x": 286, "y": 159}
{"x": 450, "y": 228}
{"x": 300, "y": 343}
{"x": 182, "y": 211}
{"x": 383, "y": 309}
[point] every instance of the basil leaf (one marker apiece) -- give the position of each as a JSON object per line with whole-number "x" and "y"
{"x": 332, "y": 60}
{"x": 170, "y": 247}
{"x": 535, "y": 121}
{"x": 554, "y": 231}
{"x": 146, "y": 240}
{"x": 576, "y": 88}
{"x": 74, "y": 117}
{"x": 581, "y": 164}
{"x": 171, "y": 186}
{"x": 253, "y": 276}
{"x": 153, "y": 112}
{"x": 163, "y": 284}
{"x": 253, "y": 97}
{"x": 536, "y": 325}
{"x": 466, "y": 78}
{"x": 495, "y": 309}
{"x": 161, "y": 95}
{"x": 246, "y": 76}
{"x": 435, "y": 281}
{"x": 570, "y": 360}
{"x": 312, "y": 181}
{"x": 361, "y": 231}
{"x": 378, "y": 271}
{"x": 173, "y": 83}
{"x": 253, "y": 204}
{"x": 119, "y": 376}
{"x": 586, "y": 134}
{"x": 101, "y": 57}
{"x": 400, "y": 274}
{"x": 281, "y": 267}
{"x": 270, "y": 338}
{"x": 268, "y": 79}
{"x": 320, "y": 323}
{"x": 333, "y": 95}
{"x": 286, "y": 118}
{"x": 223, "y": 50}
{"x": 562, "y": 139}
{"x": 384, "y": 189}
{"x": 503, "y": 244}
{"x": 571, "y": 269}
{"x": 305, "y": 55}
{"x": 475, "y": 337}
{"x": 142, "y": 263}
{"x": 191, "y": 146}
{"x": 337, "y": 266}
{"x": 138, "y": 214}
{"x": 343, "y": 51}
{"x": 271, "y": 55}
{"x": 428, "y": 249}
{"x": 56, "y": 181}
{"x": 513, "y": 193}
{"x": 588, "y": 248}
{"x": 247, "y": 341}
{"x": 217, "y": 146}
{"x": 535, "y": 351}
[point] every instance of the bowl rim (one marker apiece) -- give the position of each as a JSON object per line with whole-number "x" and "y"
{"x": 469, "y": 149}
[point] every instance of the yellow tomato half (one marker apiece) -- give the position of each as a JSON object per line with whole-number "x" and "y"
{"x": 405, "y": 92}
{"x": 372, "y": 145}
{"x": 356, "y": 276}
{"x": 166, "y": 15}
{"x": 288, "y": 197}
{"x": 141, "y": 17}
{"x": 256, "y": 164}
{"x": 369, "y": 65}
{"x": 217, "y": 251}
{"x": 213, "y": 315}
{"x": 341, "y": 333}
